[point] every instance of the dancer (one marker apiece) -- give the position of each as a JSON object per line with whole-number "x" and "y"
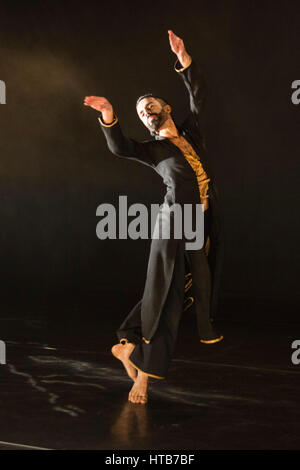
{"x": 178, "y": 154}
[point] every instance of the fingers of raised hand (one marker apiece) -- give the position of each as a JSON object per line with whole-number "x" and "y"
{"x": 172, "y": 35}
{"x": 176, "y": 42}
{"x": 95, "y": 102}
{"x": 92, "y": 99}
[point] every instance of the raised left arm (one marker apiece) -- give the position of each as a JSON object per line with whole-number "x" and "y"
{"x": 191, "y": 74}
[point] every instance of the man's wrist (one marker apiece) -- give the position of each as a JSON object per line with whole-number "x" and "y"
{"x": 185, "y": 59}
{"x": 108, "y": 123}
{"x": 107, "y": 117}
{"x": 179, "y": 67}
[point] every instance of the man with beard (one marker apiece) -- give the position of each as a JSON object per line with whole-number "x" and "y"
{"x": 178, "y": 154}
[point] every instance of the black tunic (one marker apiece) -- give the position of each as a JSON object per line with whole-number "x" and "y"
{"x": 182, "y": 188}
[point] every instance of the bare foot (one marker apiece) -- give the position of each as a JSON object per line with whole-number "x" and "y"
{"x": 122, "y": 352}
{"x": 138, "y": 393}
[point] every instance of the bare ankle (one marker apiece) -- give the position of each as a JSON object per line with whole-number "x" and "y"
{"x": 142, "y": 376}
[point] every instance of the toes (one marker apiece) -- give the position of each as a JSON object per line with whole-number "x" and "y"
{"x": 143, "y": 400}
{"x": 135, "y": 398}
{"x": 132, "y": 396}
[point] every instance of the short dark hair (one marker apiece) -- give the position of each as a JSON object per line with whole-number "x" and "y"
{"x": 150, "y": 95}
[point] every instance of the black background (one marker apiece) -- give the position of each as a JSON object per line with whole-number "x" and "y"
{"x": 55, "y": 168}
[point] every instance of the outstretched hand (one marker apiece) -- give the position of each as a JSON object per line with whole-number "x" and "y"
{"x": 102, "y": 105}
{"x": 178, "y": 47}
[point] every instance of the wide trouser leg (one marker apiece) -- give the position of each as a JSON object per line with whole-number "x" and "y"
{"x": 154, "y": 358}
{"x": 131, "y": 330}
{"x": 202, "y": 292}
{"x": 202, "y": 283}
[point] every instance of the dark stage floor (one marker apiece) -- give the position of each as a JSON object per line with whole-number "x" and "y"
{"x": 66, "y": 391}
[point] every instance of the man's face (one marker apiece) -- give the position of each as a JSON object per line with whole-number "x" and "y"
{"x": 152, "y": 113}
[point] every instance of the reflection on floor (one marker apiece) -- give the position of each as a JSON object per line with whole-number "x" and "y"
{"x": 70, "y": 393}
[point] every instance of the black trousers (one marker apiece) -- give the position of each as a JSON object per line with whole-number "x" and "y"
{"x": 154, "y": 358}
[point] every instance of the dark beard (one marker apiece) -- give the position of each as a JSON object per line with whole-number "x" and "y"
{"x": 155, "y": 123}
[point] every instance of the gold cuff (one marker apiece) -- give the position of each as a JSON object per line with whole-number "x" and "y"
{"x": 183, "y": 68}
{"x": 212, "y": 340}
{"x": 108, "y": 125}
{"x": 147, "y": 341}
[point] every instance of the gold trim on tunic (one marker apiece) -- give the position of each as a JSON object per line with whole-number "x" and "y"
{"x": 194, "y": 161}
{"x": 212, "y": 340}
{"x": 207, "y": 246}
{"x": 190, "y": 304}
{"x": 202, "y": 179}
{"x": 188, "y": 285}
